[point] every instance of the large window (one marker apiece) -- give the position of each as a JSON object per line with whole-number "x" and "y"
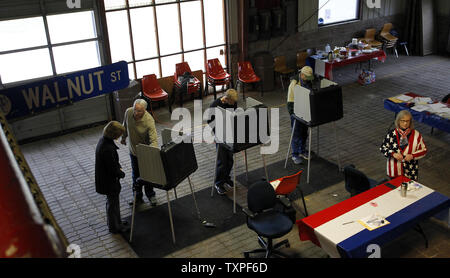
{"x": 41, "y": 46}
{"x": 154, "y": 35}
{"x": 334, "y": 11}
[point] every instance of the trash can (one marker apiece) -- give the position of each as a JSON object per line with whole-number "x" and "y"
{"x": 263, "y": 66}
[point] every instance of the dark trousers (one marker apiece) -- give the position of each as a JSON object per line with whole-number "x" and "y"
{"x": 149, "y": 192}
{"x": 224, "y": 164}
{"x": 299, "y": 138}
{"x": 113, "y": 212}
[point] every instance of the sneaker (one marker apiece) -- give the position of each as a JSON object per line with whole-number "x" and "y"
{"x": 304, "y": 155}
{"x": 153, "y": 201}
{"x": 220, "y": 190}
{"x": 229, "y": 184}
{"x": 297, "y": 160}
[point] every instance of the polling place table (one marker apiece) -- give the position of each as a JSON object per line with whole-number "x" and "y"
{"x": 337, "y": 231}
{"x": 424, "y": 117}
{"x": 325, "y": 68}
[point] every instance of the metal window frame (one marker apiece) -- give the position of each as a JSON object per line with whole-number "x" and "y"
{"x": 127, "y": 8}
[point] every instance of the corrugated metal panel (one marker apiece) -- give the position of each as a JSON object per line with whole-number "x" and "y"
{"x": 307, "y": 9}
{"x": 86, "y": 112}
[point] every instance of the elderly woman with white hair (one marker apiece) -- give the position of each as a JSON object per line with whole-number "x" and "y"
{"x": 139, "y": 129}
{"x": 403, "y": 147}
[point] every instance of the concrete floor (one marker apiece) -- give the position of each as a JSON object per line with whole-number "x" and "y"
{"x": 64, "y": 167}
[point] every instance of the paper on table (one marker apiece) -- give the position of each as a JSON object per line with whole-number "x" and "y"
{"x": 438, "y": 108}
{"x": 422, "y": 100}
{"x": 404, "y": 98}
{"x": 420, "y": 107}
{"x": 373, "y": 222}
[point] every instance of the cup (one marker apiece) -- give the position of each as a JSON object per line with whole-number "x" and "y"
{"x": 403, "y": 189}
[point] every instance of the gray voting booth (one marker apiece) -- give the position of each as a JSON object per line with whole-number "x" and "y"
{"x": 240, "y": 131}
{"x": 320, "y": 105}
{"x": 162, "y": 169}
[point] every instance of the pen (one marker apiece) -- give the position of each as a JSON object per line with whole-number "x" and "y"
{"x": 348, "y": 223}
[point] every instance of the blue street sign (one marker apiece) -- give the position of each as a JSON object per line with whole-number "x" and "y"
{"x": 43, "y": 95}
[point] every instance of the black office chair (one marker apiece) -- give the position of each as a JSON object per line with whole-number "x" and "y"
{"x": 356, "y": 181}
{"x": 265, "y": 220}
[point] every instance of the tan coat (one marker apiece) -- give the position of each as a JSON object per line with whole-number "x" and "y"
{"x": 139, "y": 132}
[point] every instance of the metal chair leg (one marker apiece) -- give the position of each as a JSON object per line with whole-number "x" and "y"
{"x": 246, "y": 165}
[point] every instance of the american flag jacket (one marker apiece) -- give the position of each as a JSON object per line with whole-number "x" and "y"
{"x": 416, "y": 147}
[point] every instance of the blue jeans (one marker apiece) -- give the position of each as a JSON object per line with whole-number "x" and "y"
{"x": 149, "y": 192}
{"x": 299, "y": 138}
{"x": 224, "y": 165}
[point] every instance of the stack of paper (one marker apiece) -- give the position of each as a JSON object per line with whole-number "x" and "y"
{"x": 420, "y": 108}
{"x": 404, "y": 98}
{"x": 373, "y": 222}
{"x": 422, "y": 100}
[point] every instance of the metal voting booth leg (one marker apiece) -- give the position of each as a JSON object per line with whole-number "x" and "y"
{"x": 234, "y": 174}
{"x": 309, "y": 147}
{"x": 170, "y": 211}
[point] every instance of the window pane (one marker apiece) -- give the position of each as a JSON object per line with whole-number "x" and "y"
{"x": 147, "y": 67}
{"x": 119, "y": 36}
{"x": 37, "y": 64}
{"x": 137, "y": 3}
{"x": 164, "y": 1}
{"x": 168, "y": 64}
{"x": 168, "y": 29}
{"x": 114, "y": 4}
{"x": 22, "y": 33}
{"x": 196, "y": 60}
{"x": 143, "y": 33}
{"x": 131, "y": 71}
{"x": 75, "y": 57}
{"x": 214, "y": 52}
{"x": 214, "y": 18}
{"x": 191, "y": 19}
{"x": 337, "y": 11}
{"x": 71, "y": 27}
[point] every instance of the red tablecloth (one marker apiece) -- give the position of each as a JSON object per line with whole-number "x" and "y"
{"x": 379, "y": 54}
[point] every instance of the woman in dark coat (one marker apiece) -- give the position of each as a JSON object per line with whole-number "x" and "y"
{"x": 108, "y": 172}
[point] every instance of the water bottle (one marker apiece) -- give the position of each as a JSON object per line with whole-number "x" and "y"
{"x": 327, "y": 48}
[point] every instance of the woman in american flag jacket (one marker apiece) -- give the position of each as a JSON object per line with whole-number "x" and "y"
{"x": 403, "y": 147}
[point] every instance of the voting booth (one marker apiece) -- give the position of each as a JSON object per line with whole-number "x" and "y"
{"x": 321, "y": 105}
{"x": 239, "y": 130}
{"x": 166, "y": 168}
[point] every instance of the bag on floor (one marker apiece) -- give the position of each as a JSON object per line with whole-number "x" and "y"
{"x": 366, "y": 77}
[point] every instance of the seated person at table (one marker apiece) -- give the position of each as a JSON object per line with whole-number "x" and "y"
{"x": 224, "y": 157}
{"x": 403, "y": 147}
{"x": 300, "y": 136}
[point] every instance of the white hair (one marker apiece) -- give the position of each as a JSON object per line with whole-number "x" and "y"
{"x": 140, "y": 101}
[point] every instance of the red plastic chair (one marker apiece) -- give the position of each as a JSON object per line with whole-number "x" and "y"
{"x": 288, "y": 184}
{"x": 246, "y": 75}
{"x": 216, "y": 75}
{"x": 152, "y": 91}
{"x": 193, "y": 87}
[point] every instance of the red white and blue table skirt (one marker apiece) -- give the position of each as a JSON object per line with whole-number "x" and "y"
{"x": 329, "y": 228}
